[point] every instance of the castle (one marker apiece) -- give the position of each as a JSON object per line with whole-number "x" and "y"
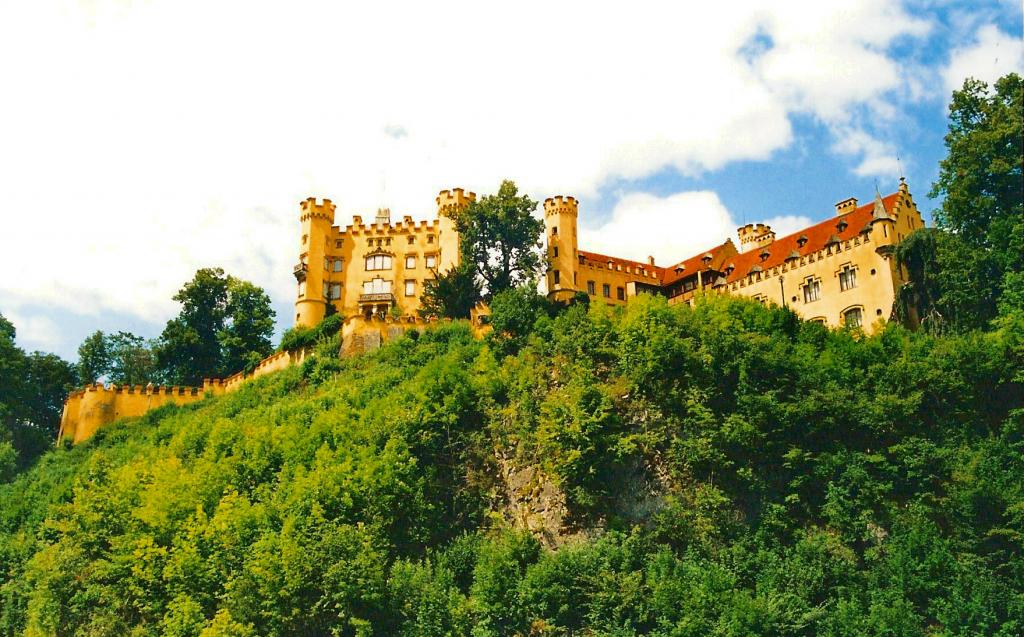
{"x": 839, "y": 272}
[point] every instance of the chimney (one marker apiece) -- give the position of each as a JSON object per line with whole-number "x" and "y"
{"x": 650, "y": 260}
{"x": 846, "y": 205}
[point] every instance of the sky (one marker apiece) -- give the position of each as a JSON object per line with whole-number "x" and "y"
{"x": 140, "y": 141}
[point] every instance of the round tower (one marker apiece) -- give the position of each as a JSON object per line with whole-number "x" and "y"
{"x": 450, "y": 202}
{"x": 563, "y": 258}
{"x": 316, "y": 219}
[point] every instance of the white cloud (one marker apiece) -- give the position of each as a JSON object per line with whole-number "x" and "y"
{"x": 671, "y": 228}
{"x": 878, "y": 157}
{"x": 141, "y": 141}
{"x": 991, "y": 55}
{"x": 34, "y": 332}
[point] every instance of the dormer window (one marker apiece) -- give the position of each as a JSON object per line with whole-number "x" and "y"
{"x": 801, "y": 240}
{"x": 764, "y": 255}
{"x": 842, "y": 225}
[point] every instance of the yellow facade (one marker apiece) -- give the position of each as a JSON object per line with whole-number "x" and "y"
{"x": 371, "y": 269}
{"x": 840, "y": 271}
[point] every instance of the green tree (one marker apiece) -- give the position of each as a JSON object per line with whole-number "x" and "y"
{"x": 959, "y": 272}
{"x": 224, "y": 325}
{"x": 132, "y": 361}
{"x": 452, "y": 294}
{"x": 500, "y": 239}
{"x": 981, "y": 180}
{"x": 32, "y": 392}
{"x": 245, "y": 338}
{"x": 93, "y": 358}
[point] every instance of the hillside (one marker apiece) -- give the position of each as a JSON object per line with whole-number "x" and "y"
{"x": 720, "y": 470}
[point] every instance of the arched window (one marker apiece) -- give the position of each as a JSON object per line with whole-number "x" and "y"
{"x": 378, "y": 262}
{"x": 853, "y": 317}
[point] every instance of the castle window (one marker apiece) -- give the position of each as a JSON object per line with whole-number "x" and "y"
{"x": 591, "y": 288}
{"x": 689, "y": 284}
{"x": 431, "y": 261}
{"x": 621, "y": 293}
{"x": 557, "y": 275}
{"x": 812, "y": 290}
{"x": 332, "y": 291}
{"x": 338, "y": 243}
{"x": 327, "y": 290}
{"x": 430, "y": 238}
{"x": 378, "y": 262}
{"x": 412, "y": 239}
{"x": 387, "y": 241}
{"x": 377, "y": 286}
{"x": 554, "y": 251}
{"x": 410, "y": 288}
{"x": 847, "y": 278}
{"x": 410, "y": 261}
{"x": 606, "y": 291}
{"x": 302, "y": 287}
{"x": 327, "y": 263}
{"x": 305, "y": 238}
{"x": 853, "y": 317}
{"x": 760, "y": 298}
{"x": 337, "y": 265}
{"x": 554, "y": 231}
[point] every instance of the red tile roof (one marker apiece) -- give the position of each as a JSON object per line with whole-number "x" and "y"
{"x": 719, "y": 254}
{"x": 602, "y": 260}
{"x": 817, "y": 235}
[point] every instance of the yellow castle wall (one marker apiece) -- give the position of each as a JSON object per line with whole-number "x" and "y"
{"x": 324, "y": 244}
{"x": 88, "y": 409}
{"x": 871, "y": 254}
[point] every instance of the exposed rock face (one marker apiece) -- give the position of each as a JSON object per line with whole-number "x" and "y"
{"x": 534, "y": 503}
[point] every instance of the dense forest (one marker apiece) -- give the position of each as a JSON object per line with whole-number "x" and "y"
{"x": 728, "y": 469}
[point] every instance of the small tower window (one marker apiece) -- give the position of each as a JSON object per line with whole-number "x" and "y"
{"x": 305, "y": 238}
{"x": 554, "y": 230}
{"x": 558, "y": 277}
{"x": 338, "y": 243}
{"x": 430, "y": 238}
{"x": 554, "y": 251}
{"x": 412, "y": 239}
{"x": 337, "y": 265}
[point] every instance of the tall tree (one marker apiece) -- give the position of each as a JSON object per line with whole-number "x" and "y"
{"x": 981, "y": 180}
{"x": 245, "y": 339}
{"x": 973, "y": 262}
{"x": 93, "y": 358}
{"x": 224, "y": 325}
{"x": 32, "y": 392}
{"x": 452, "y": 294}
{"x": 500, "y": 239}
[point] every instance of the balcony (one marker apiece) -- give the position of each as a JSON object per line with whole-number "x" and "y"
{"x": 377, "y": 297}
{"x": 300, "y": 271}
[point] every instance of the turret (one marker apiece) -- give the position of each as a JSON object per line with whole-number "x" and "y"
{"x": 449, "y": 203}
{"x": 560, "y": 215}
{"x": 755, "y": 236}
{"x": 316, "y": 219}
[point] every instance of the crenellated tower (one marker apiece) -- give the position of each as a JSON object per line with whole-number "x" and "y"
{"x": 563, "y": 258}
{"x": 450, "y": 202}
{"x": 316, "y": 219}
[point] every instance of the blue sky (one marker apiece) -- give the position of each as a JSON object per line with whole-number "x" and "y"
{"x": 146, "y": 140}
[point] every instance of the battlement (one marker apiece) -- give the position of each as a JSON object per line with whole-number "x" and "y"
{"x": 561, "y": 204}
{"x": 310, "y": 208}
{"x": 450, "y": 200}
{"x": 755, "y": 235}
